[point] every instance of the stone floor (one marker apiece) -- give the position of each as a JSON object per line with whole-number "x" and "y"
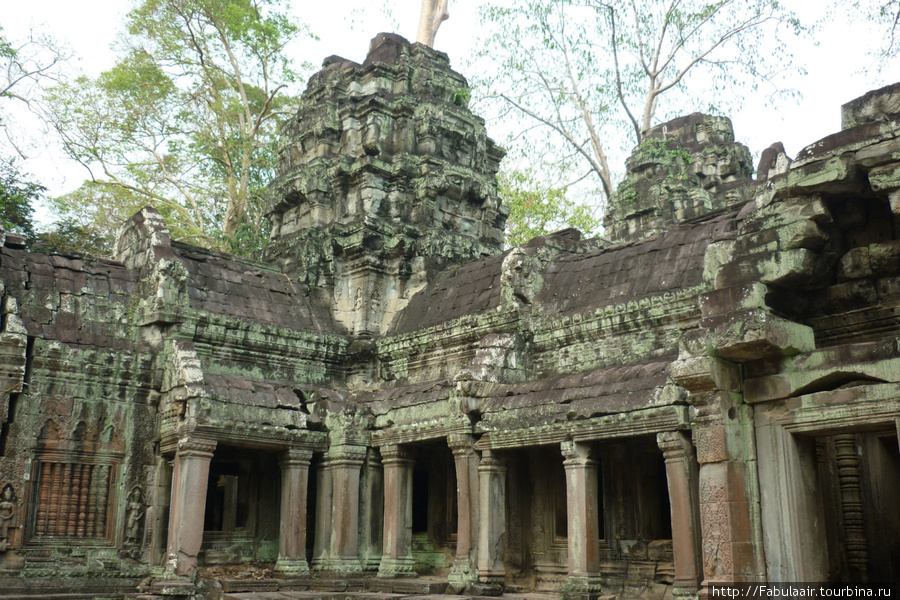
{"x": 375, "y": 596}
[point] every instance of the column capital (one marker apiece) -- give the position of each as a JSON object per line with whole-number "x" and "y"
{"x": 346, "y": 454}
{"x": 577, "y": 454}
{"x": 461, "y": 443}
{"x": 295, "y": 457}
{"x": 491, "y": 460}
{"x": 396, "y": 453}
{"x": 675, "y": 445}
{"x": 193, "y": 446}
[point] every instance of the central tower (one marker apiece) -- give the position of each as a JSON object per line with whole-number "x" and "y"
{"x": 385, "y": 176}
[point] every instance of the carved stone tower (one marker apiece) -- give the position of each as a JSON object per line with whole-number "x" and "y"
{"x": 385, "y": 176}
{"x": 685, "y": 169}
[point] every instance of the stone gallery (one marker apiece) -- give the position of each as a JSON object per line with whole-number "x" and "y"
{"x": 389, "y": 401}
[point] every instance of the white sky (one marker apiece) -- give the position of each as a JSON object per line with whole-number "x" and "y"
{"x": 838, "y": 67}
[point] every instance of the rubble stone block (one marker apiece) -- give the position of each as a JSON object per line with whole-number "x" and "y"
{"x": 753, "y": 334}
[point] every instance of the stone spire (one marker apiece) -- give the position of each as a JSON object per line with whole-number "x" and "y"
{"x": 683, "y": 170}
{"x": 383, "y": 168}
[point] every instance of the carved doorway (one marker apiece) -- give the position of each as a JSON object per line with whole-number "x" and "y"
{"x": 242, "y": 507}
{"x": 434, "y": 508}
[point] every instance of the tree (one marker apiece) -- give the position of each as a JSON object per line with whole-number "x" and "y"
{"x": 186, "y": 120}
{"x": 594, "y": 72}
{"x": 17, "y": 194}
{"x": 886, "y": 15}
{"x": 27, "y": 66}
{"x": 535, "y": 210}
{"x": 433, "y": 13}
{"x": 67, "y": 236}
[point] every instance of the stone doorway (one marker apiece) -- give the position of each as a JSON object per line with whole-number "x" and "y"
{"x": 636, "y": 524}
{"x": 537, "y": 522}
{"x": 434, "y": 509}
{"x": 859, "y": 476}
{"x": 242, "y": 507}
{"x": 830, "y": 501}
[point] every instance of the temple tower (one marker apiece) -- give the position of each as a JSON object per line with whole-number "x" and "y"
{"x": 385, "y": 176}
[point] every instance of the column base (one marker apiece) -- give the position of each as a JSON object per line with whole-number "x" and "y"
{"x": 180, "y": 564}
{"x": 292, "y": 566}
{"x": 397, "y": 567}
{"x": 461, "y": 574}
{"x": 338, "y": 564}
{"x": 486, "y": 585}
{"x": 584, "y": 584}
{"x": 371, "y": 563}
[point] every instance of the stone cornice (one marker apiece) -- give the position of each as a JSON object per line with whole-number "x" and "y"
{"x": 622, "y": 425}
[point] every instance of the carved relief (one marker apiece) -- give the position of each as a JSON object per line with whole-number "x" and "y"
{"x": 7, "y": 514}
{"x": 134, "y": 516}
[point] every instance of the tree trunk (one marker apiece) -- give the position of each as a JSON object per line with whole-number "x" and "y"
{"x": 434, "y": 12}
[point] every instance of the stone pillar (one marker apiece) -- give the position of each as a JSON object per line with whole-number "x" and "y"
{"x": 682, "y": 478}
{"x": 345, "y": 462}
{"x": 322, "y": 539}
{"x": 190, "y": 479}
{"x": 466, "y": 461}
{"x": 796, "y": 546}
{"x": 583, "y": 513}
{"x": 732, "y": 544}
{"x": 492, "y": 525}
{"x": 371, "y": 511}
{"x": 156, "y": 519}
{"x": 397, "y": 559}
{"x": 292, "y": 539}
{"x": 846, "y": 450}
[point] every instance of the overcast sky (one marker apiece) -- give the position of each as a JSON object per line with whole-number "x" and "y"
{"x": 838, "y": 67}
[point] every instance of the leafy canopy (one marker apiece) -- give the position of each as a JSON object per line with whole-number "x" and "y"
{"x": 186, "y": 121}
{"x": 535, "y": 210}
{"x": 589, "y": 77}
{"x": 17, "y": 195}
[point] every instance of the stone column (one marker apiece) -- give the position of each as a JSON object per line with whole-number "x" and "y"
{"x": 345, "y": 462}
{"x": 156, "y": 519}
{"x": 846, "y": 450}
{"x": 397, "y": 559}
{"x": 732, "y": 543}
{"x": 292, "y": 539}
{"x": 322, "y": 539}
{"x": 583, "y": 513}
{"x": 492, "y": 521}
{"x": 371, "y": 511}
{"x": 189, "y": 481}
{"x": 682, "y": 477}
{"x": 466, "y": 461}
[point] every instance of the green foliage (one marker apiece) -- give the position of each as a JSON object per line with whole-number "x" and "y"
{"x": 17, "y": 195}
{"x": 69, "y": 237}
{"x": 462, "y": 96}
{"x": 660, "y": 148}
{"x": 535, "y": 210}
{"x": 186, "y": 121}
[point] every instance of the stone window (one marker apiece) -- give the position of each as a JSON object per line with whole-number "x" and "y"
{"x": 73, "y": 499}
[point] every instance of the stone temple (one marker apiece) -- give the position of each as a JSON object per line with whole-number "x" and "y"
{"x": 390, "y": 403}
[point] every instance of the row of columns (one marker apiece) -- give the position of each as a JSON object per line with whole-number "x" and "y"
{"x": 481, "y": 497}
